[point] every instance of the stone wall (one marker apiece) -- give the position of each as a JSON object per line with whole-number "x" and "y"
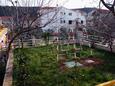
{"x": 9, "y": 71}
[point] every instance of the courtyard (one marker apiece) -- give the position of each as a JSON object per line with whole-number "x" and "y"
{"x": 40, "y": 67}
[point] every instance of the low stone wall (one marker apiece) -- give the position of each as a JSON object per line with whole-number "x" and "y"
{"x": 103, "y": 47}
{"x": 9, "y": 71}
{"x": 100, "y": 46}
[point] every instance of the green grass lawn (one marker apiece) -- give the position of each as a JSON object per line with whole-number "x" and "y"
{"x": 39, "y": 67}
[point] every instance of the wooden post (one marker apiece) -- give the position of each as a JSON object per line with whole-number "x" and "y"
{"x": 19, "y": 45}
{"x": 74, "y": 45}
{"x": 33, "y": 41}
{"x": 57, "y": 39}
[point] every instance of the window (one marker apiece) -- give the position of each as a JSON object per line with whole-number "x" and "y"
{"x": 61, "y": 13}
{"x": 62, "y": 21}
{"x": 70, "y": 14}
{"x": 81, "y": 21}
{"x": 70, "y": 22}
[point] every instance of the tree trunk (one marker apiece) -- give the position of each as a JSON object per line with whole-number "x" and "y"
{"x": 22, "y": 44}
{"x": 111, "y": 49}
{"x": 92, "y": 44}
{"x": 9, "y": 45}
{"x": 111, "y": 45}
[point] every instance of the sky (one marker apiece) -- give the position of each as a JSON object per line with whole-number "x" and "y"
{"x": 66, "y": 3}
{"x": 81, "y": 3}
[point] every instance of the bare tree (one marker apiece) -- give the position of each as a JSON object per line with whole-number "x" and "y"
{"x": 102, "y": 25}
{"x": 109, "y": 4}
{"x": 26, "y": 21}
{"x": 109, "y": 35}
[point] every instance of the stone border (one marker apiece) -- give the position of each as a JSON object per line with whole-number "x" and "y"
{"x": 9, "y": 71}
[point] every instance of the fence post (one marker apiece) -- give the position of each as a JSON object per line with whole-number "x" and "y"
{"x": 19, "y": 43}
{"x": 33, "y": 41}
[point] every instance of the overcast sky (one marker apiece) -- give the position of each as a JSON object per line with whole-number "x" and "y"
{"x": 65, "y": 3}
{"x": 82, "y": 3}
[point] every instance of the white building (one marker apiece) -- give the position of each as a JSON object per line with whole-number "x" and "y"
{"x": 0, "y": 21}
{"x": 64, "y": 17}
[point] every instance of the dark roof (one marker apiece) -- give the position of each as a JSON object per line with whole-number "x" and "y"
{"x": 48, "y": 7}
{"x": 102, "y": 11}
{"x": 11, "y": 11}
{"x": 86, "y": 10}
{"x": 5, "y": 11}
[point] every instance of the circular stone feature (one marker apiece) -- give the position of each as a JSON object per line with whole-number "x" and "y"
{"x": 89, "y": 61}
{"x": 72, "y": 64}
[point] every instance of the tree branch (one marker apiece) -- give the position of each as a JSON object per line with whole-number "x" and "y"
{"x": 108, "y": 7}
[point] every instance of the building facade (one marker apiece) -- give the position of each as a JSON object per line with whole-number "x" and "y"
{"x": 64, "y": 18}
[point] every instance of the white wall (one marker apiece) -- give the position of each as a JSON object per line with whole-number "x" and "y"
{"x": 63, "y": 14}
{"x": 0, "y": 21}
